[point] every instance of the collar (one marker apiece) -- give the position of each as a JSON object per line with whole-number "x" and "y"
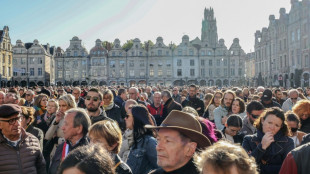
{"x": 278, "y": 137}
{"x": 189, "y": 167}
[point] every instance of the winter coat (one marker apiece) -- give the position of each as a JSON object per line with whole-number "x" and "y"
{"x": 26, "y": 157}
{"x": 271, "y": 159}
{"x": 219, "y": 113}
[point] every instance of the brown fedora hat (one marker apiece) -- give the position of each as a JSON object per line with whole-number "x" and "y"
{"x": 185, "y": 124}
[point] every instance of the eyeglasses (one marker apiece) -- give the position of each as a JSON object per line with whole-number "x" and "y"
{"x": 28, "y": 94}
{"x": 254, "y": 116}
{"x": 94, "y": 98}
{"x": 13, "y": 120}
{"x": 293, "y": 98}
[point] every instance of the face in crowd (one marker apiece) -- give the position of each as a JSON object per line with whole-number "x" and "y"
{"x": 92, "y": 101}
{"x": 228, "y": 99}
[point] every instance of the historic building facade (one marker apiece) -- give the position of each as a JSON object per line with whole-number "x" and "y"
{"x": 6, "y": 54}
{"x": 202, "y": 61}
{"x": 33, "y": 64}
{"x": 282, "y": 50}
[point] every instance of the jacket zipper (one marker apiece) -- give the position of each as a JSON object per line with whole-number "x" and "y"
{"x": 19, "y": 161}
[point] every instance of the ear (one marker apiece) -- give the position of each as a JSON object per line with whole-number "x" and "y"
{"x": 225, "y": 124}
{"x": 79, "y": 129}
{"x": 191, "y": 148}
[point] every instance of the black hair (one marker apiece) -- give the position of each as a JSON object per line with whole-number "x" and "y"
{"x": 234, "y": 120}
{"x": 254, "y": 105}
{"x": 141, "y": 117}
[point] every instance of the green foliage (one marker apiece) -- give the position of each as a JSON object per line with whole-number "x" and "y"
{"x": 107, "y": 45}
{"x": 147, "y": 45}
{"x": 127, "y": 45}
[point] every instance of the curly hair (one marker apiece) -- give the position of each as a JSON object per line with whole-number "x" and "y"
{"x": 28, "y": 112}
{"x": 223, "y": 155}
{"x": 302, "y": 107}
{"x": 278, "y": 113}
{"x": 241, "y": 104}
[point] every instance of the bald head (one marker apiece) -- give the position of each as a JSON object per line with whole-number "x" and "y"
{"x": 129, "y": 103}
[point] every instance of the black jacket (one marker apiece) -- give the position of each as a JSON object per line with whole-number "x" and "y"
{"x": 195, "y": 103}
{"x": 169, "y": 106}
{"x": 272, "y": 104}
{"x": 58, "y": 154}
{"x": 81, "y": 103}
{"x": 189, "y": 168}
{"x": 115, "y": 114}
{"x": 102, "y": 116}
{"x": 118, "y": 101}
{"x": 37, "y": 133}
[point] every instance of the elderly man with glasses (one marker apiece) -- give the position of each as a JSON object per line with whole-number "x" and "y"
{"x": 291, "y": 101}
{"x": 29, "y": 96}
{"x": 19, "y": 151}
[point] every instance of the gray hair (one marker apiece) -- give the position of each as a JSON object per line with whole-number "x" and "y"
{"x": 69, "y": 100}
{"x": 166, "y": 94}
{"x": 292, "y": 91}
{"x": 80, "y": 118}
{"x": 76, "y": 88}
{"x": 136, "y": 89}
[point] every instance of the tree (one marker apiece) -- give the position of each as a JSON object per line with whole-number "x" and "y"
{"x": 107, "y": 45}
{"x": 147, "y": 44}
{"x": 127, "y": 45}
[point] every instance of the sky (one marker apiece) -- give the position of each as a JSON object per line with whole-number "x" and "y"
{"x": 57, "y": 21}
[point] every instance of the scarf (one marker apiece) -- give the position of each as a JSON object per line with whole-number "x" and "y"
{"x": 126, "y": 144}
{"x": 108, "y": 107}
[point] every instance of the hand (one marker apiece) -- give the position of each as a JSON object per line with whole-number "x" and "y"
{"x": 267, "y": 140}
{"x": 59, "y": 115}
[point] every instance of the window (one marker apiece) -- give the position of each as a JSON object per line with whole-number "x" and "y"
{"x": 210, "y": 72}
{"x": 168, "y": 63}
{"x": 3, "y": 70}
{"x": 142, "y": 73}
{"x": 102, "y": 61}
{"x": 233, "y": 62}
{"x": 202, "y": 72}
{"x": 292, "y": 57}
{"x": 9, "y": 60}
{"x": 202, "y": 62}
{"x": 159, "y": 52}
{"x": 9, "y": 71}
{"x": 14, "y": 73}
{"x": 293, "y": 36}
{"x": 160, "y": 72}
{"x": 113, "y": 73}
{"x": 151, "y": 72}
{"x": 84, "y": 64}
{"x": 75, "y": 63}
{"x": 131, "y": 63}
{"x": 40, "y": 61}
{"x": 75, "y": 53}
{"x": 225, "y": 62}
{"x": 232, "y": 71}
{"x": 141, "y": 62}
{"x": 68, "y": 54}
{"x": 76, "y": 74}
{"x": 95, "y": 62}
{"x": 225, "y": 72}
{"x": 23, "y": 71}
{"x": 39, "y": 71}
{"x": 31, "y": 71}
{"x": 180, "y": 52}
{"x": 31, "y": 61}
{"x": 160, "y": 63}
{"x": 83, "y": 73}
{"x": 169, "y": 73}
{"x": 132, "y": 73}
{"x": 210, "y": 62}
{"x": 121, "y": 73}
{"x": 192, "y": 62}
{"x": 60, "y": 74}
{"x": 113, "y": 53}
{"x": 120, "y": 53}
{"x": 192, "y": 72}
{"x": 67, "y": 74}
{"x": 218, "y": 62}
{"x": 191, "y": 52}
{"x": 179, "y": 62}
{"x": 14, "y": 62}
{"x": 179, "y": 72}
{"x": 218, "y": 72}
{"x": 121, "y": 63}
{"x": 240, "y": 71}
{"x": 298, "y": 34}
{"x": 112, "y": 64}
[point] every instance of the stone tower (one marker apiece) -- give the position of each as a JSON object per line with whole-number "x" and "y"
{"x": 209, "y": 29}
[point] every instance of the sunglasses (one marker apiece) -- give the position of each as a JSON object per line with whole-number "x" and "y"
{"x": 13, "y": 120}
{"x": 28, "y": 94}
{"x": 254, "y": 116}
{"x": 293, "y": 98}
{"x": 94, "y": 98}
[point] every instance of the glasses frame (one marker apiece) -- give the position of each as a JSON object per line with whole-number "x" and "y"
{"x": 12, "y": 121}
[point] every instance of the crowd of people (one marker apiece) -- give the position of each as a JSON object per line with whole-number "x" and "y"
{"x": 156, "y": 130}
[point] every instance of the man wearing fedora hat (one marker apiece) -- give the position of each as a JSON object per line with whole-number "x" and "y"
{"x": 20, "y": 151}
{"x": 178, "y": 138}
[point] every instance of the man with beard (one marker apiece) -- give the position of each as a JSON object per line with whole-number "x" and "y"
{"x": 92, "y": 102}
{"x": 278, "y": 96}
{"x": 253, "y": 111}
{"x": 221, "y": 113}
{"x": 193, "y": 101}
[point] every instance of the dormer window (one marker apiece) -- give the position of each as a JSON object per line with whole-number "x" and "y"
{"x": 136, "y": 46}
{"x": 116, "y": 46}
{"x": 159, "y": 45}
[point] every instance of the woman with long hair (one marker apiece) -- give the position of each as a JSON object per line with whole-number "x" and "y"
{"x": 215, "y": 102}
{"x": 39, "y": 105}
{"x": 142, "y": 157}
{"x": 302, "y": 110}
{"x": 270, "y": 145}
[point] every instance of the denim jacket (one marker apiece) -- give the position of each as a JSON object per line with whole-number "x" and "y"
{"x": 143, "y": 157}
{"x": 271, "y": 159}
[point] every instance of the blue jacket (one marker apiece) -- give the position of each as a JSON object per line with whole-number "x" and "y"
{"x": 271, "y": 159}
{"x": 143, "y": 157}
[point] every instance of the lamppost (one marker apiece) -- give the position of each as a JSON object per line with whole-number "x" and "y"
{"x": 147, "y": 44}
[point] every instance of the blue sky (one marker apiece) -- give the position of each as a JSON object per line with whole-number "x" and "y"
{"x": 57, "y": 21}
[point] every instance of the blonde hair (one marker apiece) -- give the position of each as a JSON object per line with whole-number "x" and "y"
{"x": 108, "y": 130}
{"x": 223, "y": 155}
{"x": 190, "y": 110}
{"x": 55, "y": 102}
{"x": 69, "y": 100}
